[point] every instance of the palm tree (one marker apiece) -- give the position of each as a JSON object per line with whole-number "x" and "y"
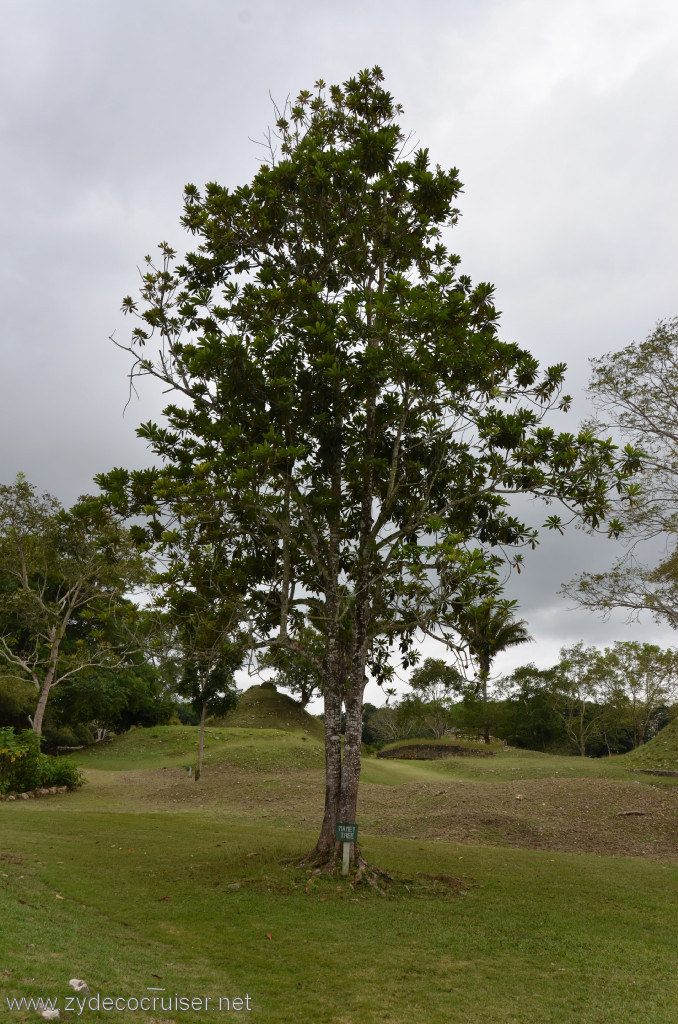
{"x": 489, "y": 628}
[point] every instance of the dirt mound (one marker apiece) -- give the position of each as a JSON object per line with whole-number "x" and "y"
{"x": 431, "y": 752}
{"x": 569, "y": 815}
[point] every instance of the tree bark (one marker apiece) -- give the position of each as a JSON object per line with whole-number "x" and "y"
{"x": 40, "y": 708}
{"x": 326, "y": 844}
{"x": 334, "y": 663}
{"x": 351, "y": 764}
{"x": 484, "y": 673}
{"x": 201, "y": 740}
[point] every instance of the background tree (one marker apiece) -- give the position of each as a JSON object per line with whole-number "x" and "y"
{"x": 636, "y": 394}
{"x": 531, "y": 718}
{"x": 17, "y": 701}
{"x": 386, "y": 724}
{"x": 577, "y": 683}
{"x": 198, "y": 615}
{"x": 64, "y": 574}
{"x": 295, "y": 672}
{"x": 210, "y": 655}
{"x": 488, "y": 629}
{"x": 435, "y": 684}
{"x": 346, "y": 395}
{"x": 99, "y": 700}
{"x": 647, "y": 677}
{"x": 614, "y": 731}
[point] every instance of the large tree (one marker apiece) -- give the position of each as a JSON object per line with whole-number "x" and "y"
{"x": 636, "y": 394}
{"x": 343, "y": 393}
{"x": 63, "y": 574}
{"x": 530, "y": 716}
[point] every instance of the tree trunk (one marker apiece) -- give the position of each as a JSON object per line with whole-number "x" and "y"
{"x": 334, "y": 665}
{"x": 484, "y": 673}
{"x": 40, "y": 708}
{"x": 351, "y": 764}
{"x": 201, "y": 740}
{"x": 325, "y": 846}
{"x": 582, "y": 733}
{"x": 55, "y": 637}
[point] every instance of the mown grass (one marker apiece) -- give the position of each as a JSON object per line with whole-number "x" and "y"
{"x": 175, "y": 902}
{"x": 131, "y": 895}
{"x": 508, "y": 764}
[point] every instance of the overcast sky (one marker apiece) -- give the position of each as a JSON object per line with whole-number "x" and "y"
{"x": 559, "y": 114}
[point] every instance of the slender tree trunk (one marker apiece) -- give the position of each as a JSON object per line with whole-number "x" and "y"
{"x": 55, "y": 637}
{"x": 201, "y": 740}
{"x": 484, "y": 672}
{"x": 350, "y": 770}
{"x": 41, "y": 705}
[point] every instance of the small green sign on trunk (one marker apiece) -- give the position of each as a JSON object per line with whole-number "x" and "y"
{"x": 345, "y": 833}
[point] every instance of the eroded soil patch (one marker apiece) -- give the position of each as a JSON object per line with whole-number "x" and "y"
{"x": 597, "y": 816}
{"x": 431, "y": 752}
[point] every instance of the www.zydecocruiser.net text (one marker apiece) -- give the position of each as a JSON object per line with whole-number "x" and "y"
{"x": 78, "y": 1004}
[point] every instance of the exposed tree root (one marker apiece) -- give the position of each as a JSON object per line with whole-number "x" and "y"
{"x": 325, "y": 863}
{"x": 370, "y": 874}
{"x": 362, "y": 871}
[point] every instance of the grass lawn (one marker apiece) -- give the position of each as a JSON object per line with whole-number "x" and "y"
{"x": 144, "y": 880}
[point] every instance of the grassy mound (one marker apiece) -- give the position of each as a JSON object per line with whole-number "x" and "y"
{"x": 262, "y": 707}
{"x": 168, "y": 746}
{"x": 660, "y": 754}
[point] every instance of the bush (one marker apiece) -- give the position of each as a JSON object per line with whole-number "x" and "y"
{"x": 57, "y": 771}
{"x": 23, "y": 767}
{"x": 19, "y": 760}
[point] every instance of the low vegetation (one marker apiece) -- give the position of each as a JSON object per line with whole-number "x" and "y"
{"x": 23, "y": 768}
{"x": 545, "y": 883}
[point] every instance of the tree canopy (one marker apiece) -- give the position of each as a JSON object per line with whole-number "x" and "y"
{"x": 488, "y": 628}
{"x": 347, "y": 419}
{"x": 62, "y": 575}
{"x": 636, "y": 393}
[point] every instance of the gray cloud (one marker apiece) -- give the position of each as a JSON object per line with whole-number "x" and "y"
{"x": 559, "y": 116}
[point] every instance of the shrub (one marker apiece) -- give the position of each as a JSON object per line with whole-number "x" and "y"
{"x": 19, "y": 760}
{"x": 57, "y": 771}
{"x": 23, "y": 767}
